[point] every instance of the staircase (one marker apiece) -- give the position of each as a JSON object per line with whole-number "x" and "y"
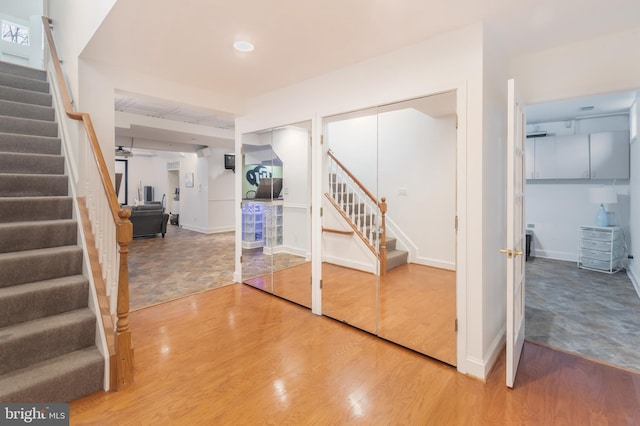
{"x": 345, "y": 199}
{"x": 47, "y": 331}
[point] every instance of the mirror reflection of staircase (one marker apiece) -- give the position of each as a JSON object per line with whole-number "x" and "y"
{"x": 365, "y": 215}
{"x": 47, "y": 331}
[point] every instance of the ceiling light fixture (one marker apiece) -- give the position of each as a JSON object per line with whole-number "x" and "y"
{"x": 243, "y": 46}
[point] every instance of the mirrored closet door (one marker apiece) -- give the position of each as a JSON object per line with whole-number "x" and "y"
{"x": 276, "y": 219}
{"x": 389, "y": 238}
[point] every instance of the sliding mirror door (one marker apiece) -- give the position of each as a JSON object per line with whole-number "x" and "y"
{"x": 288, "y": 236}
{"x": 417, "y": 175}
{"x": 350, "y": 219}
{"x": 276, "y": 216}
{"x": 389, "y": 237}
{"x": 259, "y": 169}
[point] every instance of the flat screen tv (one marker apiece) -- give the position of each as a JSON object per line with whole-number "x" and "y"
{"x": 230, "y": 162}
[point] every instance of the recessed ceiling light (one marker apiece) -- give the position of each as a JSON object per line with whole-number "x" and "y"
{"x": 243, "y": 46}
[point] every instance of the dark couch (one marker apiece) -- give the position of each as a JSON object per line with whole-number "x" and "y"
{"x": 149, "y": 220}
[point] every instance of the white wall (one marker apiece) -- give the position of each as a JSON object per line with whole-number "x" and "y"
{"x": 221, "y": 196}
{"x": 452, "y": 61}
{"x": 556, "y": 208}
{"x": 292, "y": 146}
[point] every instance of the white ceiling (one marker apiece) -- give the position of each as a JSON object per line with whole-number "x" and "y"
{"x": 190, "y": 41}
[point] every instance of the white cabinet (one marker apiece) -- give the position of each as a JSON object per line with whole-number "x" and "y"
{"x": 262, "y": 225}
{"x": 610, "y": 155}
{"x": 601, "y": 248}
{"x": 529, "y": 158}
{"x": 561, "y": 157}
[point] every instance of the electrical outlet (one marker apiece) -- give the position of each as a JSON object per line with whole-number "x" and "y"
{"x": 531, "y": 225}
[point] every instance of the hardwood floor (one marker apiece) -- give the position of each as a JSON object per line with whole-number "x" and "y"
{"x": 413, "y": 305}
{"x": 235, "y": 355}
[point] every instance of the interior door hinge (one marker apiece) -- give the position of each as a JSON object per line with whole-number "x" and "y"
{"x": 240, "y": 259}
{"x": 321, "y": 211}
{"x": 456, "y": 121}
{"x": 321, "y": 139}
{"x": 456, "y": 326}
{"x": 456, "y": 225}
{"x": 242, "y": 150}
{"x": 320, "y": 284}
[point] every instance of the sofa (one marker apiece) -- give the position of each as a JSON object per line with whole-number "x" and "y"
{"x": 149, "y": 220}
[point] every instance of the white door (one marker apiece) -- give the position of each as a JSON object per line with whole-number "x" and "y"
{"x": 515, "y": 233}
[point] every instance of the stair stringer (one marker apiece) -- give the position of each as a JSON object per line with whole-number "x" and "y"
{"x": 71, "y": 170}
{"x": 344, "y": 250}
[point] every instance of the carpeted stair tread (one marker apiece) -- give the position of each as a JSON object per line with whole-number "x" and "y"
{"x": 25, "y": 83}
{"x": 23, "y": 71}
{"x": 396, "y": 258}
{"x": 60, "y": 379}
{"x": 29, "y": 144}
{"x": 41, "y": 264}
{"x": 21, "y": 236}
{"x": 15, "y": 162}
{"x": 26, "y": 302}
{"x": 25, "y": 96}
{"x": 41, "y": 339}
{"x": 28, "y": 126}
{"x": 21, "y": 209}
{"x": 32, "y": 185}
{"x": 22, "y": 110}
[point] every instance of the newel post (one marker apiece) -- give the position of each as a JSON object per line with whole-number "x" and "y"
{"x": 383, "y": 236}
{"x": 124, "y": 350}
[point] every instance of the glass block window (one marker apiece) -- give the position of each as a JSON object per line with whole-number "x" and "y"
{"x": 15, "y": 33}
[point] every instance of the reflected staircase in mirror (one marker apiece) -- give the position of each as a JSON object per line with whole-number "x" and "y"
{"x": 362, "y": 211}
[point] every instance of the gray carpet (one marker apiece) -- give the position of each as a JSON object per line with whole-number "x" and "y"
{"x": 585, "y": 312}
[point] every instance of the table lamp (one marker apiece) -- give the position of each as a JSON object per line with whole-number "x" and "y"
{"x": 603, "y": 195}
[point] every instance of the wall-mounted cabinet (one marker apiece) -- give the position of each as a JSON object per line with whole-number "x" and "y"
{"x": 603, "y": 155}
{"x": 610, "y": 155}
{"x": 560, "y": 157}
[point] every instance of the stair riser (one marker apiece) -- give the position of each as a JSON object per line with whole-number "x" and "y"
{"x": 31, "y": 236}
{"x": 27, "y": 267}
{"x": 72, "y": 378}
{"x": 31, "y": 164}
{"x": 391, "y": 244}
{"x": 17, "y": 352}
{"x": 26, "y": 126}
{"x": 24, "y": 83}
{"x": 23, "y": 209}
{"x": 21, "y": 71}
{"x": 17, "y": 185}
{"x": 21, "y": 110}
{"x": 25, "y": 96}
{"x": 28, "y": 144}
{"x": 27, "y": 302}
{"x": 393, "y": 261}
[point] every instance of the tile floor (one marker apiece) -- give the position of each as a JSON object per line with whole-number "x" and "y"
{"x": 585, "y": 312}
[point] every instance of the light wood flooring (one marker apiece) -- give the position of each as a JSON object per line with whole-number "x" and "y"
{"x": 238, "y": 356}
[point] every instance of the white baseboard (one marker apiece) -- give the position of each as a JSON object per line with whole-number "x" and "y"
{"x": 350, "y": 264}
{"x": 208, "y": 230}
{"x": 480, "y": 368}
{"x": 555, "y": 255}
{"x": 435, "y": 263}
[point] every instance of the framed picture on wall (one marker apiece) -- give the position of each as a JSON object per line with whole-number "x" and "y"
{"x": 188, "y": 180}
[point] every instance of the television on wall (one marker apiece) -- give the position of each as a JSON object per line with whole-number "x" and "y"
{"x": 230, "y": 162}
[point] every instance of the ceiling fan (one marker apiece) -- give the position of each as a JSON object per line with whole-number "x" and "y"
{"x": 121, "y": 152}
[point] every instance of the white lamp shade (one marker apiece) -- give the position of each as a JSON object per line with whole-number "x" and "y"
{"x": 603, "y": 195}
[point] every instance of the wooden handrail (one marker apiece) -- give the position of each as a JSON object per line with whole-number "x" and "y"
{"x": 124, "y": 228}
{"x": 336, "y": 231}
{"x": 353, "y": 177}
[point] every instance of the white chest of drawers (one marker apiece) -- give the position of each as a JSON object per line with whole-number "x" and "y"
{"x": 601, "y": 248}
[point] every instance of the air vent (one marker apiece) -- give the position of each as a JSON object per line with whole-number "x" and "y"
{"x": 587, "y": 108}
